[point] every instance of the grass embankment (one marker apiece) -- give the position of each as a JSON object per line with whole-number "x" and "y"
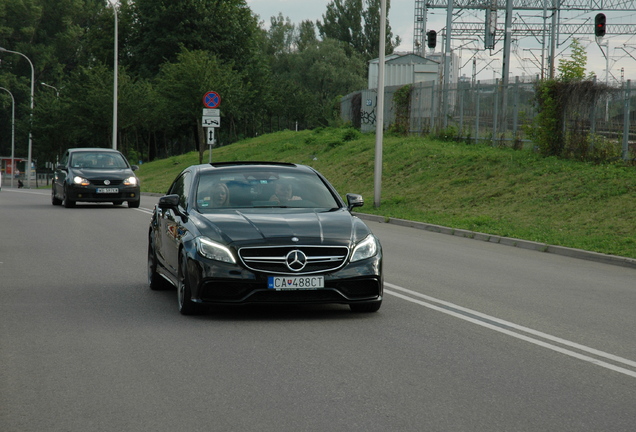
{"x": 476, "y": 187}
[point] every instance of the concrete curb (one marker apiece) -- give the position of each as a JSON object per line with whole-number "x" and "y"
{"x": 524, "y": 244}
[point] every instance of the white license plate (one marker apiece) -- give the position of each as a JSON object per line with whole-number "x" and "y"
{"x": 107, "y": 190}
{"x": 295, "y": 282}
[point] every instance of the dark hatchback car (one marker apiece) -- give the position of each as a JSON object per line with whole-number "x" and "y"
{"x": 95, "y": 175}
{"x": 260, "y": 232}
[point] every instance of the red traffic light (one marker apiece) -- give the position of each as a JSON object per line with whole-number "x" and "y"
{"x": 599, "y": 25}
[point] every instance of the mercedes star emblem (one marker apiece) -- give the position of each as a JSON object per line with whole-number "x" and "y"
{"x": 296, "y": 260}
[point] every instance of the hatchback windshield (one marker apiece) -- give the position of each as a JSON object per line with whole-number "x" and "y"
{"x": 100, "y": 160}
{"x": 258, "y": 189}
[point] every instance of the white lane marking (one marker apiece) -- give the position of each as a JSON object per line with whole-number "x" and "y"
{"x": 499, "y": 325}
{"x": 28, "y": 191}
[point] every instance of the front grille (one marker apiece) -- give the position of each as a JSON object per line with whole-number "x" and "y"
{"x": 100, "y": 182}
{"x": 274, "y": 259}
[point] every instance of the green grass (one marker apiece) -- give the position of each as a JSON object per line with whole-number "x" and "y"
{"x": 476, "y": 187}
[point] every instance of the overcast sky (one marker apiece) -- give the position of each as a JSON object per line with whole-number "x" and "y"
{"x": 526, "y": 55}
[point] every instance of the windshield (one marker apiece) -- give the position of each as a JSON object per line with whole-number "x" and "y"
{"x": 99, "y": 160}
{"x": 250, "y": 188}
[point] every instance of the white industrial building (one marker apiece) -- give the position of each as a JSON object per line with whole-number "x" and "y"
{"x": 403, "y": 69}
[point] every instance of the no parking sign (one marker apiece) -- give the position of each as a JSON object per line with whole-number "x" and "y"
{"x": 211, "y": 100}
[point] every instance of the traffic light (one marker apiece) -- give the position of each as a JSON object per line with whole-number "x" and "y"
{"x": 599, "y": 25}
{"x": 431, "y": 38}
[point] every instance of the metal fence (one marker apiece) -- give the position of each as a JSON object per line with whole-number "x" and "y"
{"x": 489, "y": 111}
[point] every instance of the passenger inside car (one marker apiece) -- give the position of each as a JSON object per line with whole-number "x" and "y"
{"x": 220, "y": 195}
{"x": 214, "y": 195}
{"x": 284, "y": 193}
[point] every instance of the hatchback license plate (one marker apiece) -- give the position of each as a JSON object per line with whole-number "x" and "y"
{"x": 295, "y": 282}
{"x": 107, "y": 190}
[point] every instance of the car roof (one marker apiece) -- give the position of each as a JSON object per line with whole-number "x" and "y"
{"x": 256, "y": 164}
{"x": 100, "y": 149}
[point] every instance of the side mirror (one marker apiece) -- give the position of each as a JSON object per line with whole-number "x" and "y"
{"x": 134, "y": 167}
{"x": 61, "y": 167}
{"x": 169, "y": 202}
{"x": 354, "y": 200}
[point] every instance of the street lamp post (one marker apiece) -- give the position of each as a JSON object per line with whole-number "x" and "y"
{"x": 57, "y": 92}
{"x": 12, "y": 134}
{"x": 115, "y": 73}
{"x": 28, "y": 168}
{"x": 379, "y": 127}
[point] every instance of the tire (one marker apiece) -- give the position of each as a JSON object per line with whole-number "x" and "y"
{"x": 68, "y": 203}
{"x": 54, "y": 200}
{"x": 366, "y": 307}
{"x": 134, "y": 204}
{"x": 184, "y": 292}
{"x": 155, "y": 280}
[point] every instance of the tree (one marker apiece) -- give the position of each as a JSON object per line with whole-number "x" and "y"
{"x": 343, "y": 21}
{"x": 371, "y": 18}
{"x": 306, "y": 35}
{"x": 320, "y": 70}
{"x": 181, "y": 86}
{"x": 227, "y": 29}
{"x": 358, "y": 27}
{"x": 280, "y": 36}
{"x": 560, "y": 127}
{"x": 573, "y": 69}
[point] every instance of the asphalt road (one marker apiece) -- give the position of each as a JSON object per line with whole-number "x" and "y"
{"x": 472, "y": 336}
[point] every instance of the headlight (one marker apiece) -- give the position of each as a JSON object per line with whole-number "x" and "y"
{"x": 214, "y": 251}
{"x": 365, "y": 249}
{"x": 81, "y": 181}
{"x": 131, "y": 181}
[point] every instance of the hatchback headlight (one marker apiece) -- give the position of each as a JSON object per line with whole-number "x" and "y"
{"x": 80, "y": 181}
{"x": 214, "y": 251}
{"x": 365, "y": 249}
{"x": 130, "y": 181}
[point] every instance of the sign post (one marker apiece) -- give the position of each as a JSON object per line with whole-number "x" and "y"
{"x": 210, "y": 136}
{"x": 211, "y": 117}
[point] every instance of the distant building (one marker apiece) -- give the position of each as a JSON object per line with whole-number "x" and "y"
{"x": 403, "y": 69}
{"x": 360, "y": 107}
{"x": 454, "y": 65}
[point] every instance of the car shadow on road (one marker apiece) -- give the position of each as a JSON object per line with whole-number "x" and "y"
{"x": 266, "y": 312}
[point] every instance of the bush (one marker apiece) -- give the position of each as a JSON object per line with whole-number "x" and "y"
{"x": 561, "y": 128}
{"x": 350, "y": 134}
{"x": 402, "y": 105}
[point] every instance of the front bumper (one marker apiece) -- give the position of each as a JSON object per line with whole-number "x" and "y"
{"x": 218, "y": 283}
{"x": 90, "y": 194}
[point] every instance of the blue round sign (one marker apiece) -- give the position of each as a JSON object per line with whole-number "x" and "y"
{"x": 211, "y": 100}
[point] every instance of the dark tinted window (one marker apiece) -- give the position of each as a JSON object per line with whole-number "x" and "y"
{"x": 98, "y": 160}
{"x": 249, "y": 187}
{"x": 181, "y": 187}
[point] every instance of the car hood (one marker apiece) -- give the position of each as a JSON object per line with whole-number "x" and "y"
{"x": 93, "y": 173}
{"x": 277, "y": 227}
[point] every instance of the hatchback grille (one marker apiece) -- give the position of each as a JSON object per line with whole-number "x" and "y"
{"x": 113, "y": 182}
{"x": 274, "y": 259}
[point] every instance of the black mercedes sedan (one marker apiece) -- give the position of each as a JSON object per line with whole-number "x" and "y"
{"x": 95, "y": 175}
{"x": 240, "y": 233}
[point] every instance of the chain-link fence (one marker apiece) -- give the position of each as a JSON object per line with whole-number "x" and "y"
{"x": 490, "y": 111}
